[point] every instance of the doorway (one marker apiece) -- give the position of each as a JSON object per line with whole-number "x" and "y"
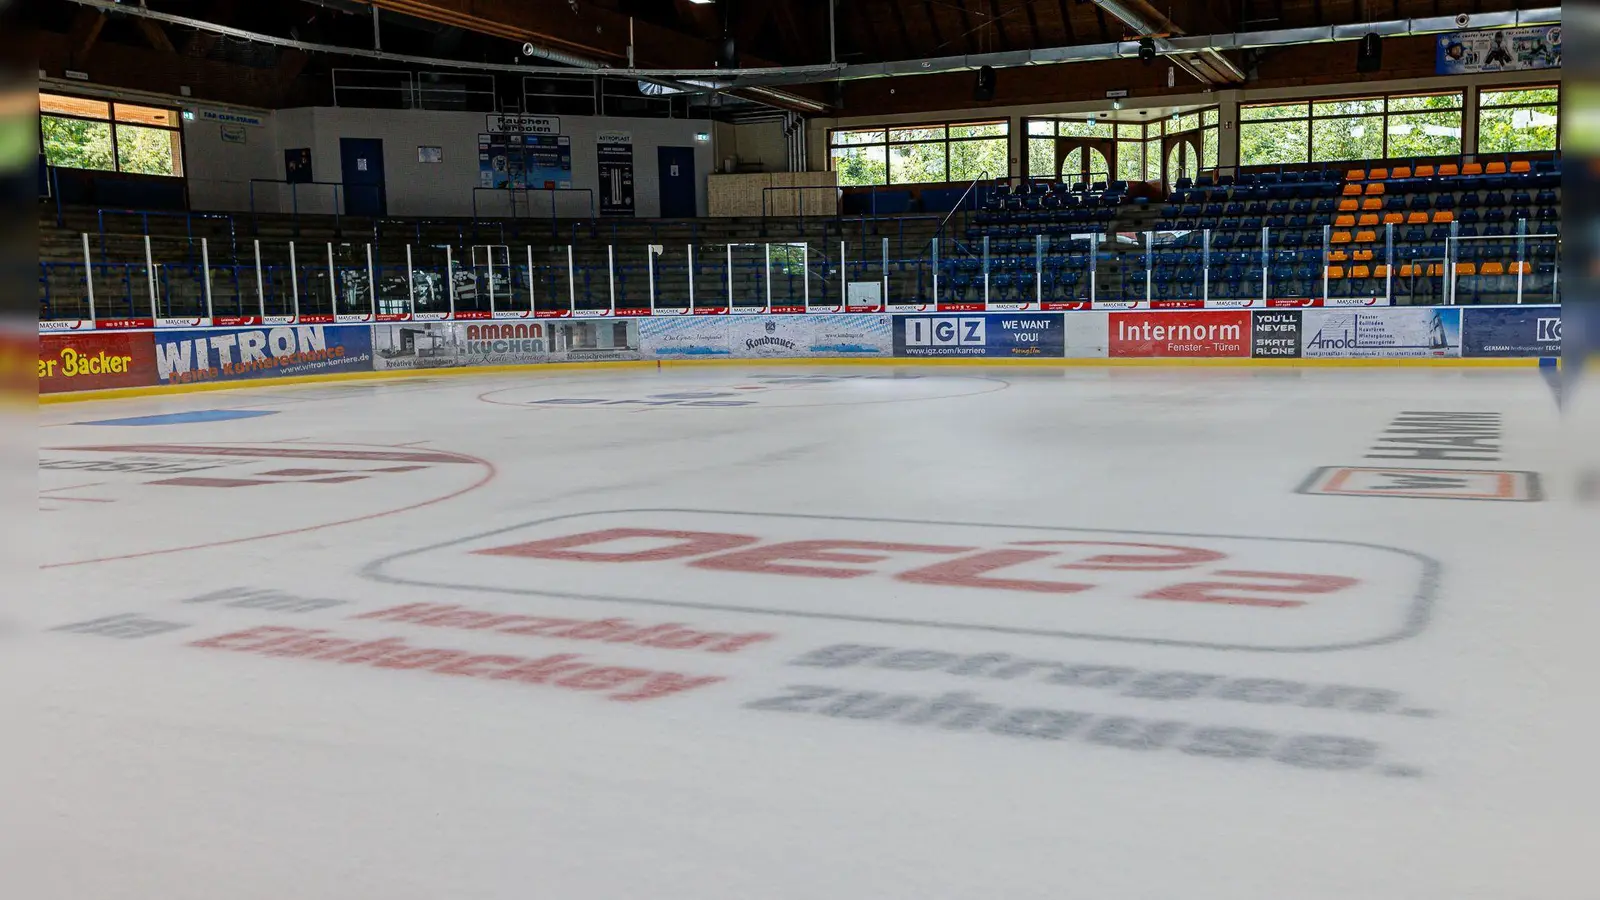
{"x": 361, "y": 162}
{"x": 676, "y": 176}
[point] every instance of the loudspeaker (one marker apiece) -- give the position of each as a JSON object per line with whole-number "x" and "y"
{"x": 984, "y": 88}
{"x": 728, "y": 54}
{"x": 1369, "y": 54}
{"x": 1147, "y": 50}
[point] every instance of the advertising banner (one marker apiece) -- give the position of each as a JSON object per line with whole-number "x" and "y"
{"x": 242, "y": 354}
{"x": 1180, "y": 334}
{"x": 95, "y": 361}
{"x": 539, "y": 161}
{"x": 614, "y": 153}
{"x": 443, "y": 345}
{"x": 1019, "y": 336}
{"x": 1392, "y": 333}
{"x": 1275, "y": 335}
{"x": 767, "y": 337}
{"x": 593, "y": 340}
{"x": 1507, "y": 331}
{"x": 1498, "y": 50}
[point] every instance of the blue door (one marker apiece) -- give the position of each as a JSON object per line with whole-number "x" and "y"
{"x": 677, "y": 182}
{"x": 364, "y": 191}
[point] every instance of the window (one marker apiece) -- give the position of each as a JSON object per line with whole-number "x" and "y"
{"x": 1138, "y": 146}
{"x": 83, "y": 133}
{"x": 921, "y": 154}
{"x": 1354, "y": 128}
{"x": 1519, "y": 120}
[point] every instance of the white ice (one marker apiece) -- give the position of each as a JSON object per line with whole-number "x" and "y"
{"x": 138, "y": 767}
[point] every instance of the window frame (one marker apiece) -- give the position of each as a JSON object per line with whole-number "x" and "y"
{"x": 943, "y": 138}
{"x": 111, "y": 120}
{"x": 1383, "y": 114}
{"x": 1152, "y": 131}
{"x": 1501, "y": 88}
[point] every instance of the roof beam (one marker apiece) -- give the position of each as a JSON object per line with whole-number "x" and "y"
{"x": 966, "y": 21}
{"x": 1033, "y": 24}
{"x": 158, "y": 38}
{"x": 1066, "y": 22}
{"x": 905, "y": 33}
{"x": 998, "y": 21}
{"x": 85, "y": 33}
{"x": 933, "y": 25}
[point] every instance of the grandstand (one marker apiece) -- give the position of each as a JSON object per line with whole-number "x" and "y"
{"x": 1422, "y": 184}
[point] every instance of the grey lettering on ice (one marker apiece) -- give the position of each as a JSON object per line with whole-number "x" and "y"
{"x": 1121, "y": 680}
{"x": 964, "y": 712}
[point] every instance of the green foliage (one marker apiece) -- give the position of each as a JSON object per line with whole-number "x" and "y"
{"x": 1425, "y": 134}
{"x": 972, "y": 159}
{"x": 1516, "y": 130}
{"x": 77, "y": 144}
{"x": 1359, "y": 137}
{"x": 861, "y": 166}
{"x": 147, "y": 151}
{"x": 1272, "y": 143}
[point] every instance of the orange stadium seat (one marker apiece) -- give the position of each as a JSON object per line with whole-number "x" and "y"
{"x": 1360, "y": 272}
{"x": 1443, "y": 217}
{"x": 1372, "y": 203}
{"x": 1366, "y": 237}
{"x": 1472, "y": 168}
{"x": 1521, "y": 268}
{"x": 1520, "y": 166}
{"x": 1377, "y": 175}
{"x": 1336, "y": 271}
{"x": 1374, "y": 188}
{"x": 1401, "y": 172}
{"x": 1337, "y": 256}
{"x": 1355, "y": 175}
{"x": 1497, "y": 167}
{"x": 1408, "y": 270}
{"x": 1446, "y": 170}
{"x": 1417, "y": 218}
{"x": 1352, "y": 190}
{"x": 1339, "y": 237}
{"x": 1349, "y": 205}
{"x": 1369, "y": 219}
{"x": 1492, "y": 268}
{"x": 1380, "y": 271}
{"x": 1395, "y": 218}
{"x": 1362, "y": 256}
{"x": 1466, "y": 269}
{"x": 1424, "y": 171}
{"x": 1435, "y": 269}
{"x": 1344, "y": 221}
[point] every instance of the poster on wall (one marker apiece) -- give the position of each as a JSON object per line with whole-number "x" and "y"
{"x": 1498, "y": 50}
{"x": 297, "y": 165}
{"x": 1393, "y": 333}
{"x": 539, "y": 161}
{"x": 614, "y": 152}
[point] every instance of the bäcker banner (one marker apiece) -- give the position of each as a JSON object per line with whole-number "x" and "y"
{"x": 1394, "y": 333}
{"x": 766, "y": 337}
{"x": 1180, "y": 334}
{"x": 1504, "y": 331}
{"x": 242, "y": 354}
{"x": 95, "y": 360}
{"x": 1026, "y": 335}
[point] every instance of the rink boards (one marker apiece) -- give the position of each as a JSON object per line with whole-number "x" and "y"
{"x": 138, "y": 354}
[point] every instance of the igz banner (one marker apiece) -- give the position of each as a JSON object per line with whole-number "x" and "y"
{"x": 1027, "y": 335}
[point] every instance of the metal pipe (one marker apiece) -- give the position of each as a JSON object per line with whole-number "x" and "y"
{"x": 372, "y": 286}
{"x": 88, "y": 275}
{"x": 411, "y": 289}
{"x": 205, "y": 271}
{"x": 261, "y": 288}
{"x": 294, "y": 282}
{"x": 150, "y": 276}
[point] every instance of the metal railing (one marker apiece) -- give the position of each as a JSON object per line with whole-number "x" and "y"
{"x": 294, "y": 201}
{"x": 1179, "y": 269}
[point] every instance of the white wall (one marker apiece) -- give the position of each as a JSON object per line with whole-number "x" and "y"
{"x": 219, "y": 173}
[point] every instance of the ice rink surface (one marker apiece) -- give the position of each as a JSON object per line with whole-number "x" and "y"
{"x": 851, "y": 632}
